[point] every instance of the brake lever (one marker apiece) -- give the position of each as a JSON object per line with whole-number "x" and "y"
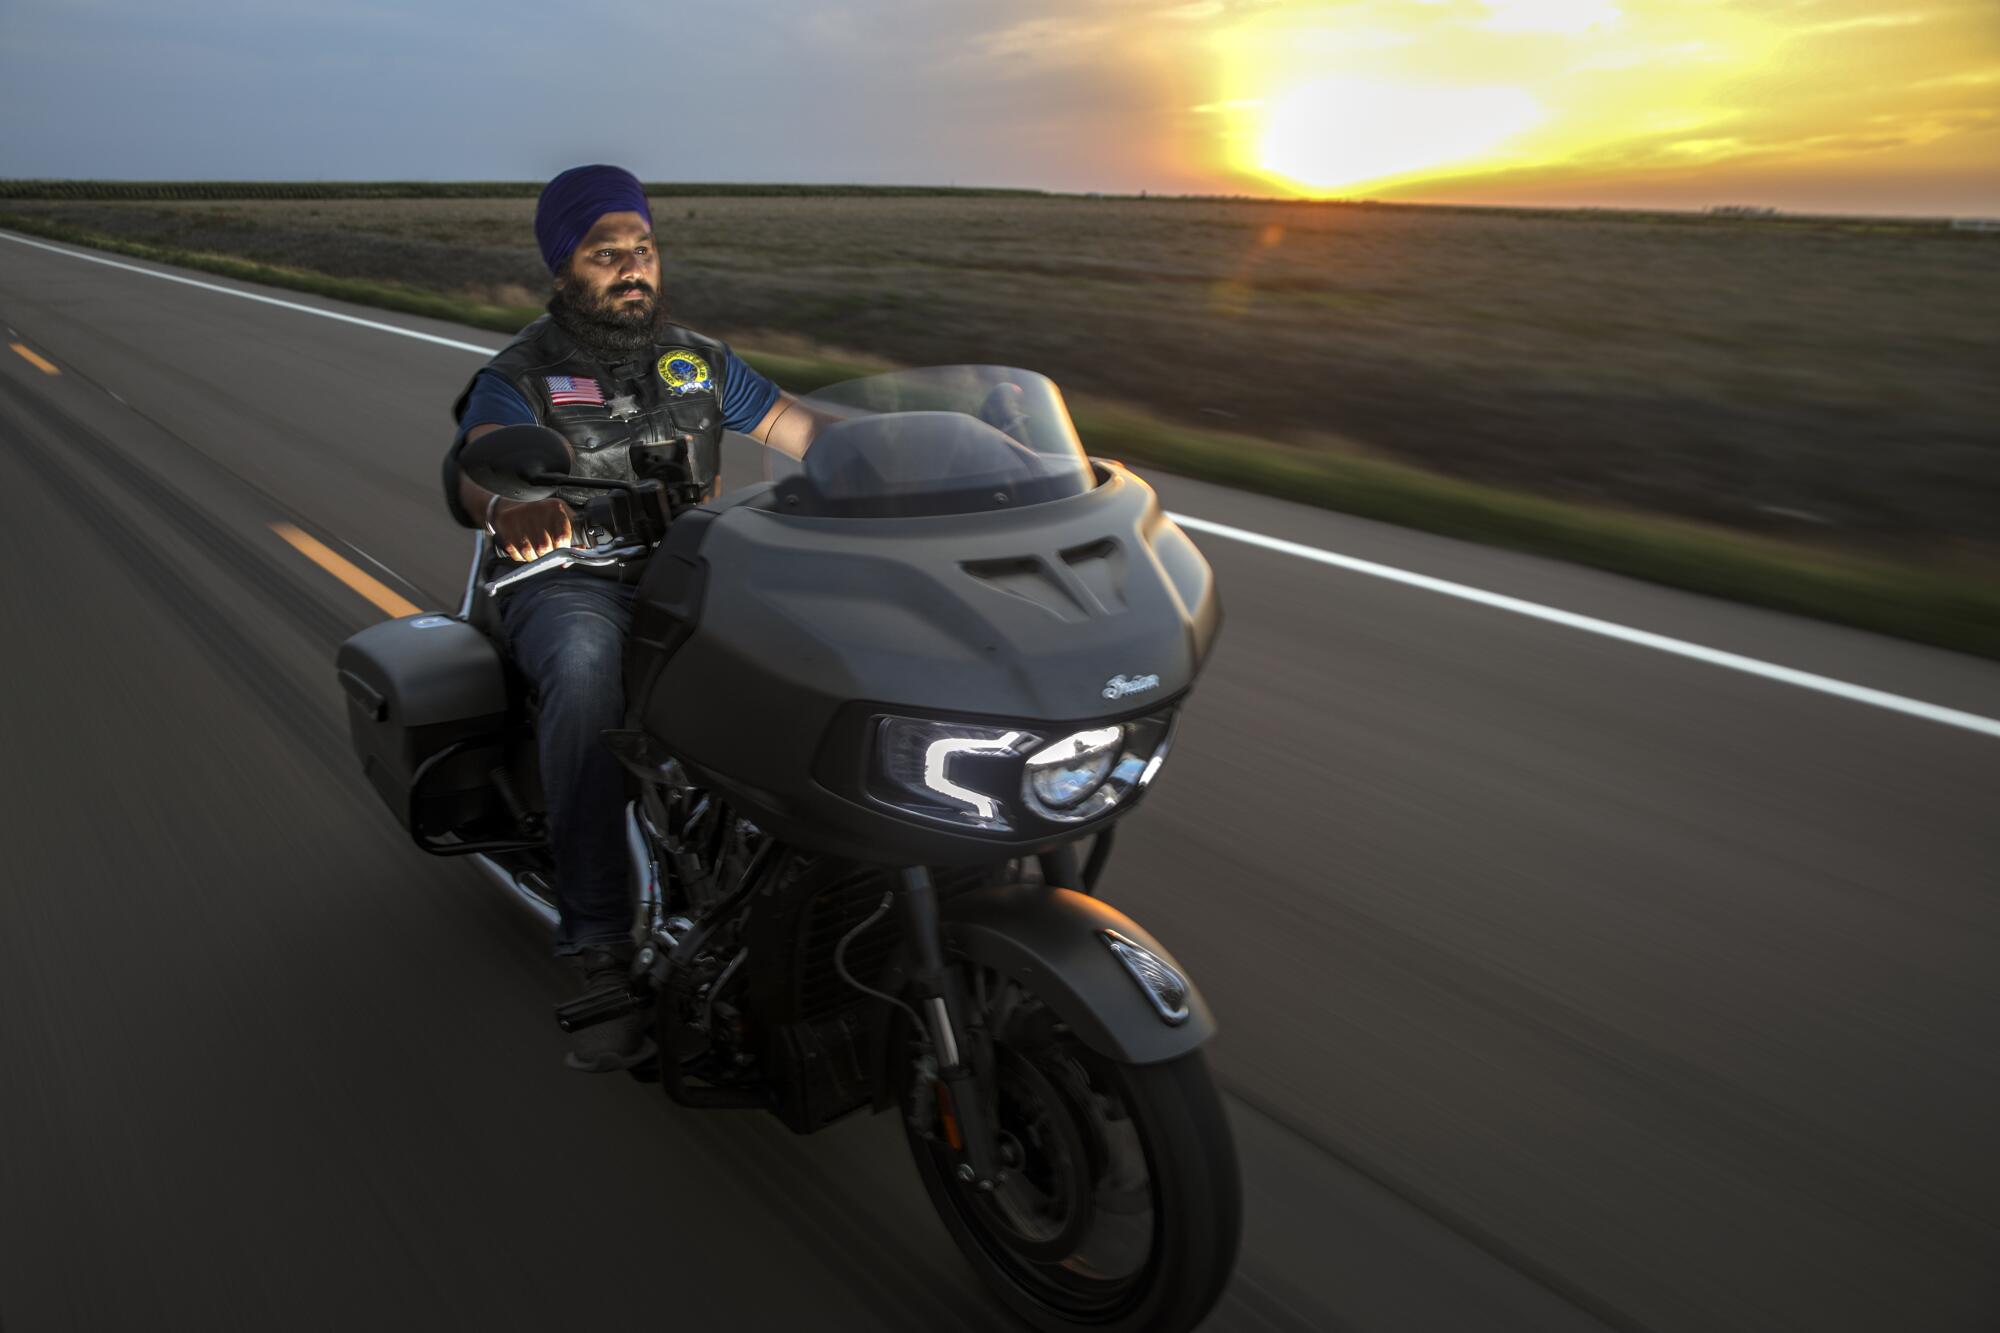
{"x": 562, "y": 558}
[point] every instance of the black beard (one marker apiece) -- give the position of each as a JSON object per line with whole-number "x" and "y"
{"x": 607, "y": 330}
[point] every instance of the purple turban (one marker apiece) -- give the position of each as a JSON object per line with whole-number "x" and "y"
{"x": 572, "y": 203}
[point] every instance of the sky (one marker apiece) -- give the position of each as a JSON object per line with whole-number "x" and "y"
{"x": 1869, "y": 106}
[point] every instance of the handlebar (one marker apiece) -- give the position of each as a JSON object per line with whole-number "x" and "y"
{"x": 632, "y": 518}
{"x": 562, "y": 558}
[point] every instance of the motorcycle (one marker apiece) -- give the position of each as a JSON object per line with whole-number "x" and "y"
{"x": 884, "y": 712}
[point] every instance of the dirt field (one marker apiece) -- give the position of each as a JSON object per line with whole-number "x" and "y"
{"x": 1827, "y": 382}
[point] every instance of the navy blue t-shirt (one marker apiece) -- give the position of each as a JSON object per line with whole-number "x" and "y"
{"x": 746, "y": 397}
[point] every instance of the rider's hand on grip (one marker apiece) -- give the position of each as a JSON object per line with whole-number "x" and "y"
{"x": 523, "y": 530}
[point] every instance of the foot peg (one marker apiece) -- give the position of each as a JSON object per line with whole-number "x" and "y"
{"x": 599, "y": 1007}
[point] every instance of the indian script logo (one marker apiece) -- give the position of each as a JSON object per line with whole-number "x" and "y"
{"x": 1120, "y": 686}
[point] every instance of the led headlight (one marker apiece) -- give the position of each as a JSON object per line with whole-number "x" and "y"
{"x": 951, "y": 770}
{"x": 998, "y": 779}
{"x": 1063, "y": 774}
{"x": 1092, "y": 771}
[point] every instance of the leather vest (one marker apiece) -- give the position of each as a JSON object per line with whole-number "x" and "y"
{"x": 624, "y": 420}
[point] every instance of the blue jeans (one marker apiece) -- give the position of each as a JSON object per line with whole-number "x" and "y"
{"x": 566, "y": 632}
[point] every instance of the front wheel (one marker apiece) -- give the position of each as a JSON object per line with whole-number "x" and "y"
{"x": 1121, "y": 1205}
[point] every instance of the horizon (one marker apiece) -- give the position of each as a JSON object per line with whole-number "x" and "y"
{"x": 1740, "y": 210}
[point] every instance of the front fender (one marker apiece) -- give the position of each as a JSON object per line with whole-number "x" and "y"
{"x": 1052, "y": 942}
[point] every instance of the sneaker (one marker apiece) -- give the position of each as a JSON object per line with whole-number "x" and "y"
{"x": 621, "y": 1042}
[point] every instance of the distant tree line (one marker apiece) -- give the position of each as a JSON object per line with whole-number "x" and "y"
{"x": 82, "y": 189}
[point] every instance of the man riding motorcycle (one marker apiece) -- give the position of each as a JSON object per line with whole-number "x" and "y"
{"x": 627, "y": 388}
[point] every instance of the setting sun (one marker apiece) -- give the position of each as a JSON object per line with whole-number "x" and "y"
{"x": 1611, "y": 101}
{"x": 1337, "y": 133}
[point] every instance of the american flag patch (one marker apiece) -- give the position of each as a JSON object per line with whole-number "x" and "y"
{"x": 573, "y": 389}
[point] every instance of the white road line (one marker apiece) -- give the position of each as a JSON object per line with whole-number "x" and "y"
{"x": 253, "y": 296}
{"x": 1806, "y": 680}
{"x": 1591, "y": 625}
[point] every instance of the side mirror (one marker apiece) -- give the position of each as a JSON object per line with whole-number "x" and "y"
{"x": 514, "y": 461}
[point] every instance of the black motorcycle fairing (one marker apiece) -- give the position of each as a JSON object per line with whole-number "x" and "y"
{"x": 756, "y": 631}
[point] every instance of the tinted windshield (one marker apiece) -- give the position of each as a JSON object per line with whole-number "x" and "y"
{"x": 938, "y": 440}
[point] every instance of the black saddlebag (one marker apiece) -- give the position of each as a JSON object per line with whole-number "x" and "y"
{"x": 428, "y": 709}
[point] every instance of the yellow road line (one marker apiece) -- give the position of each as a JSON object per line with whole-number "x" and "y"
{"x": 28, "y": 355}
{"x": 366, "y": 584}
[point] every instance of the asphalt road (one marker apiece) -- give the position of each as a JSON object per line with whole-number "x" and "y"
{"x": 1565, "y": 983}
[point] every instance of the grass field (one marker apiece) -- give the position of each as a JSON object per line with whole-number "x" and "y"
{"x": 1828, "y": 385}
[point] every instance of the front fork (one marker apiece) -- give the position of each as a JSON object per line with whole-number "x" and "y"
{"x": 963, "y": 1112}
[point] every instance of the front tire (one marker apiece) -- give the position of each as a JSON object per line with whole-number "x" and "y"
{"x": 1122, "y": 1205}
